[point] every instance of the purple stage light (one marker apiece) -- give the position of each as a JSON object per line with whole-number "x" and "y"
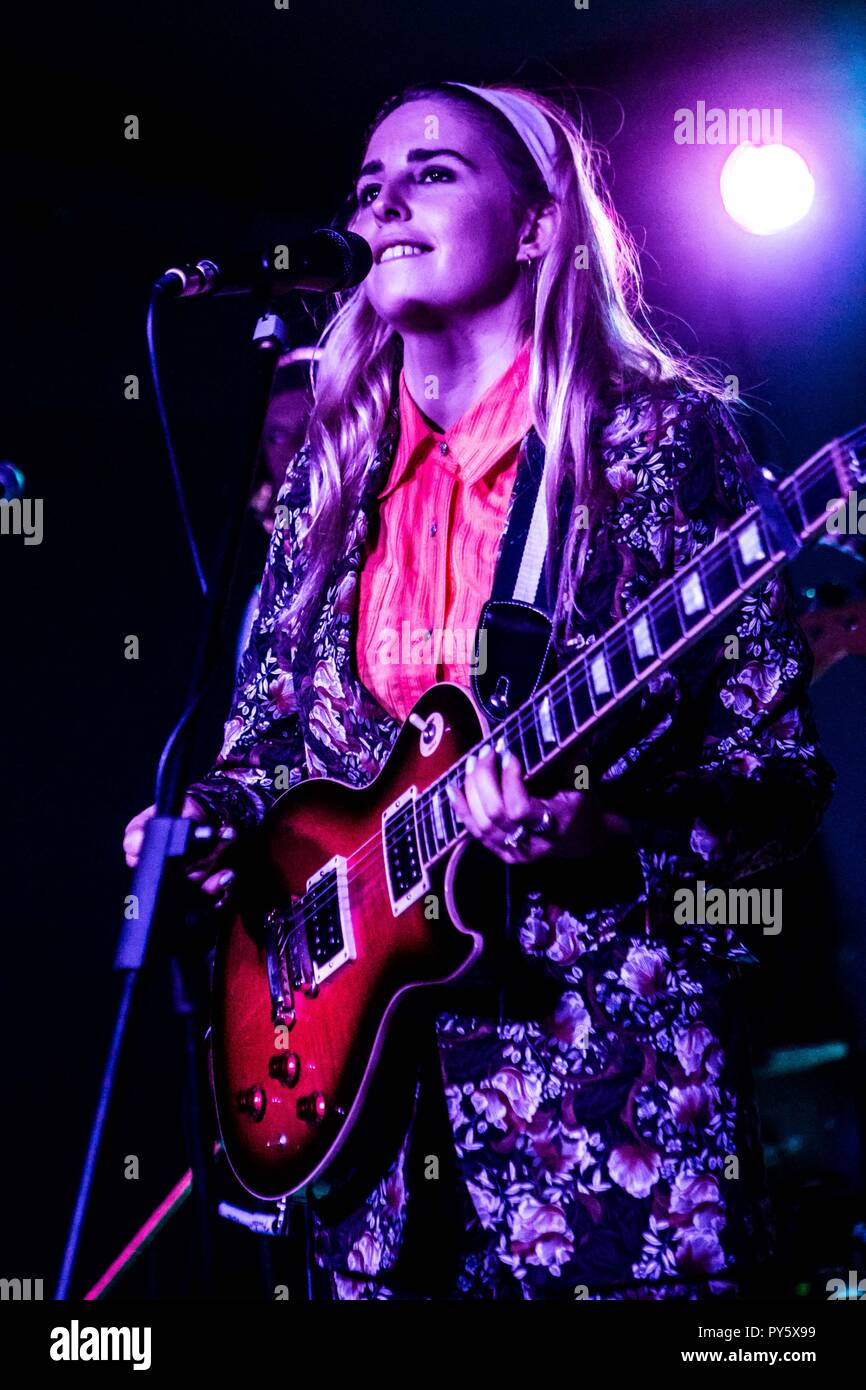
{"x": 766, "y": 188}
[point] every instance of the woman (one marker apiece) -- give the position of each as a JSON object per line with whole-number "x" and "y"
{"x": 600, "y": 1139}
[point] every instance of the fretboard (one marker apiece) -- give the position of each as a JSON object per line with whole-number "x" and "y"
{"x": 654, "y": 634}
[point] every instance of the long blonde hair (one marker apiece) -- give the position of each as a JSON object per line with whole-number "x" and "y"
{"x": 591, "y": 346}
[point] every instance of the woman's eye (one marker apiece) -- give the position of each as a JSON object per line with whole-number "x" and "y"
{"x": 365, "y": 195}
{"x": 438, "y": 169}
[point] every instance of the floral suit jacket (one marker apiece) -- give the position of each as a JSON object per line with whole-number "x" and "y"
{"x": 601, "y": 1143}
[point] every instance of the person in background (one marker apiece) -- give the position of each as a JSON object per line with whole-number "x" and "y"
{"x": 282, "y": 436}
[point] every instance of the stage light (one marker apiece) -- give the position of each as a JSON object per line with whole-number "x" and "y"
{"x": 766, "y": 188}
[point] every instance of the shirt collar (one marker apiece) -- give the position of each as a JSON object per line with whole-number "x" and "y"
{"x": 482, "y": 435}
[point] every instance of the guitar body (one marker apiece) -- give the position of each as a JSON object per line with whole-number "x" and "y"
{"x": 290, "y": 1083}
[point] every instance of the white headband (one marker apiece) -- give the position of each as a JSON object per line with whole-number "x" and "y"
{"x": 531, "y": 125}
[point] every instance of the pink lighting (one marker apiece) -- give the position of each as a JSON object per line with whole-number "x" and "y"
{"x": 766, "y": 188}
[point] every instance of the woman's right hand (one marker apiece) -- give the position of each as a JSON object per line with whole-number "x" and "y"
{"x": 205, "y": 871}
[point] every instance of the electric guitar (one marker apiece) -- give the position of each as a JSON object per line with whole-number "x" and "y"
{"x": 341, "y": 918}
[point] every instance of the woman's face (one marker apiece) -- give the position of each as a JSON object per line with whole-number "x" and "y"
{"x": 436, "y": 208}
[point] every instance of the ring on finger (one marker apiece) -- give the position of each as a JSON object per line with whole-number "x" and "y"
{"x": 517, "y": 834}
{"x": 541, "y": 827}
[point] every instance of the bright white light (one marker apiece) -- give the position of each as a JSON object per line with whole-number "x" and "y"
{"x": 766, "y": 188}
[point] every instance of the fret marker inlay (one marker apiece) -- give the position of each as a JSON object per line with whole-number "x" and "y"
{"x": 750, "y": 545}
{"x": 548, "y": 733}
{"x": 643, "y": 642}
{"x": 692, "y": 594}
{"x": 598, "y": 670}
{"x": 437, "y": 817}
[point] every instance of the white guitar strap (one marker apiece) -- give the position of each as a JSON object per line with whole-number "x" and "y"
{"x": 535, "y": 549}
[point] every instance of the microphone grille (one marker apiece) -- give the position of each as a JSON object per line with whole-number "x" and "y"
{"x": 355, "y": 256}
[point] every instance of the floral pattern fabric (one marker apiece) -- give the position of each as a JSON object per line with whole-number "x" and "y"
{"x": 604, "y": 1146}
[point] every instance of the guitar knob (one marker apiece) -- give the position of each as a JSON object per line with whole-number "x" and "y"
{"x": 252, "y": 1102}
{"x": 312, "y": 1107}
{"x": 285, "y": 1067}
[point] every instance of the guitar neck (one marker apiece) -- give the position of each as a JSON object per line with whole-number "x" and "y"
{"x": 652, "y": 636}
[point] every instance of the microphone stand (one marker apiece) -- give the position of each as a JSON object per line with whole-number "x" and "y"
{"x": 167, "y": 839}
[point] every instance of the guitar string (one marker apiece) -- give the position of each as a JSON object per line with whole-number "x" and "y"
{"x": 420, "y": 824}
{"x": 615, "y": 644}
{"x": 318, "y": 897}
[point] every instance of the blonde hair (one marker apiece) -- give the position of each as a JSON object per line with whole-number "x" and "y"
{"x": 591, "y": 346}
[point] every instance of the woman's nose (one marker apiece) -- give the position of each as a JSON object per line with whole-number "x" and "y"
{"x": 391, "y": 204}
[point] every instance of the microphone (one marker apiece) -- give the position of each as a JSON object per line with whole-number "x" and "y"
{"x": 324, "y": 261}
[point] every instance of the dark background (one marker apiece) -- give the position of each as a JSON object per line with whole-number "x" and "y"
{"x": 251, "y": 124}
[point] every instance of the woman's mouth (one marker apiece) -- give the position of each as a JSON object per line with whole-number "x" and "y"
{"x": 401, "y": 251}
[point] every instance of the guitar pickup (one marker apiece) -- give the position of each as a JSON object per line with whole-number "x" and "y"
{"x": 327, "y": 931}
{"x": 407, "y": 877}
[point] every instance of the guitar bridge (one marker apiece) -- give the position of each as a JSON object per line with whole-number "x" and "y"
{"x": 277, "y": 927}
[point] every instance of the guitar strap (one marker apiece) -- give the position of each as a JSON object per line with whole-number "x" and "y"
{"x": 514, "y": 643}
{"x": 514, "y": 637}
{"x": 520, "y": 569}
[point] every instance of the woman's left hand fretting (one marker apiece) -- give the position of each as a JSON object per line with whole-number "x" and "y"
{"x": 497, "y": 809}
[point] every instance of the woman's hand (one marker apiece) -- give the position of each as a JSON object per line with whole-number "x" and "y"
{"x": 216, "y": 882}
{"x": 497, "y": 809}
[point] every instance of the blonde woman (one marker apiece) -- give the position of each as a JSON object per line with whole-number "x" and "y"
{"x": 577, "y": 1122}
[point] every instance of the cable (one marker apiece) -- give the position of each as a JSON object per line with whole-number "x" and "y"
{"x": 166, "y": 434}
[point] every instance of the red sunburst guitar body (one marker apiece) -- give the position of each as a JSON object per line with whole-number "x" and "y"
{"x": 295, "y": 1041}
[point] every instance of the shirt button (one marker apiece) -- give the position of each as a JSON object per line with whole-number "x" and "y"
{"x": 433, "y": 528}
{"x": 443, "y": 447}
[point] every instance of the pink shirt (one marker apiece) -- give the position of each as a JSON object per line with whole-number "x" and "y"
{"x": 442, "y": 512}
